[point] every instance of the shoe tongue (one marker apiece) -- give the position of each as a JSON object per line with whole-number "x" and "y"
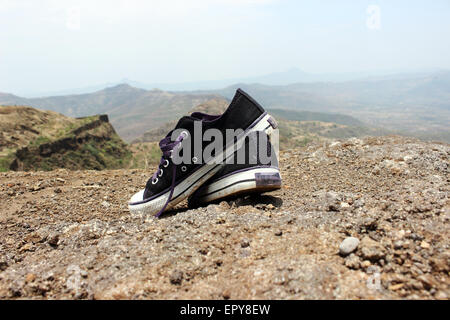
{"x": 236, "y": 97}
{"x": 210, "y": 117}
{"x": 184, "y": 122}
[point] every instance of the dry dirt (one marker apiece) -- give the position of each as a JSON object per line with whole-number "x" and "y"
{"x": 68, "y": 234}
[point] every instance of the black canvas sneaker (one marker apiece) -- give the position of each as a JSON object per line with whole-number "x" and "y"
{"x": 257, "y": 174}
{"x": 190, "y": 141}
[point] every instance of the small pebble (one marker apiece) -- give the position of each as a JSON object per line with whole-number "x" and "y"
{"x": 53, "y": 239}
{"x": 348, "y": 246}
{"x": 245, "y": 243}
{"x": 176, "y": 277}
{"x": 425, "y": 245}
{"x": 30, "y": 277}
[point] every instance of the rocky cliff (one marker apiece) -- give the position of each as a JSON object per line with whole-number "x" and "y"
{"x": 42, "y": 140}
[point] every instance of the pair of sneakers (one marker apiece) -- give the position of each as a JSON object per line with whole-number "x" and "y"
{"x": 207, "y": 158}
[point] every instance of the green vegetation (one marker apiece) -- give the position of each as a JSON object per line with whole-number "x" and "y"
{"x": 45, "y": 141}
{"x": 145, "y": 155}
{"x": 315, "y": 116}
{"x": 96, "y": 155}
{"x": 295, "y": 134}
{"x": 68, "y": 129}
{"x": 6, "y": 158}
{"x": 4, "y": 164}
{"x": 39, "y": 140}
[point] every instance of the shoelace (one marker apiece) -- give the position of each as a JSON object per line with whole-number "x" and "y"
{"x": 167, "y": 147}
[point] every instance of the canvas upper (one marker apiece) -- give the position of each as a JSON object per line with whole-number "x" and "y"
{"x": 241, "y": 114}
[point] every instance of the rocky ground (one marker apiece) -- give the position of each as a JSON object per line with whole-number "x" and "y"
{"x": 68, "y": 234}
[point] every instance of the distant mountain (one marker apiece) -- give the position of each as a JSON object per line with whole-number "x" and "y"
{"x": 214, "y": 106}
{"x": 132, "y": 111}
{"x": 11, "y": 99}
{"x": 32, "y": 139}
{"x": 395, "y": 91}
{"x": 297, "y": 128}
{"x": 289, "y": 76}
{"x": 415, "y": 104}
{"x": 87, "y": 89}
{"x": 418, "y": 104}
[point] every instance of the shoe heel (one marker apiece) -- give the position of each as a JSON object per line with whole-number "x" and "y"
{"x": 267, "y": 180}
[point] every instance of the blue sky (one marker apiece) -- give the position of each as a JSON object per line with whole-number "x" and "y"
{"x": 50, "y": 45}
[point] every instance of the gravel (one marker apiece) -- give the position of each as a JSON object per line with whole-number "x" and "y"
{"x": 81, "y": 242}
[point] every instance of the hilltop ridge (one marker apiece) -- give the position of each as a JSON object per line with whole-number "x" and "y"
{"x": 32, "y": 139}
{"x": 132, "y": 110}
{"x": 409, "y": 104}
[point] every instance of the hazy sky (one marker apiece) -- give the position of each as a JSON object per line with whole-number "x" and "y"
{"x": 50, "y": 45}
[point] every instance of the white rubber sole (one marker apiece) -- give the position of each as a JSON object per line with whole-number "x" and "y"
{"x": 252, "y": 180}
{"x": 189, "y": 185}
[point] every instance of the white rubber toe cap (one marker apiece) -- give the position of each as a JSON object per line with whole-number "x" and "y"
{"x": 137, "y": 197}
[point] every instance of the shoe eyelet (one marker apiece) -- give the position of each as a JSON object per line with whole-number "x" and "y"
{"x": 166, "y": 164}
{"x": 194, "y": 159}
{"x": 155, "y": 181}
{"x": 183, "y": 168}
{"x": 185, "y": 134}
{"x": 161, "y": 173}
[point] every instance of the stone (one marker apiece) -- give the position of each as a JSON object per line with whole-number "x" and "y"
{"x": 3, "y": 264}
{"x": 441, "y": 295}
{"x": 37, "y": 237}
{"x": 332, "y": 200}
{"x": 398, "y": 244}
{"x": 84, "y": 273}
{"x": 424, "y": 245}
{"x": 226, "y": 294}
{"x": 370, "y": 223}
{"x": 348, "y": 246}
{"x": 49, "y": 276}
{"x": 26, "y": 247}
{"x": 372, "y": 250}
{"x": 106, "y": 204}
{"x": 53, "y": 239}
{"x": 212, "y": 208}
{"x": 352, "y": 262}
{"x": 359, "y": 203}
{"x": 176, "y": 277}
{"x": 245, "y": 243}
{"x": 427, "y": 281}
{"x": 397, "y": 286}
{"x": 438, "y": 265}
{"x": 344, "y": 205}
{"x": 30, "y": 277}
